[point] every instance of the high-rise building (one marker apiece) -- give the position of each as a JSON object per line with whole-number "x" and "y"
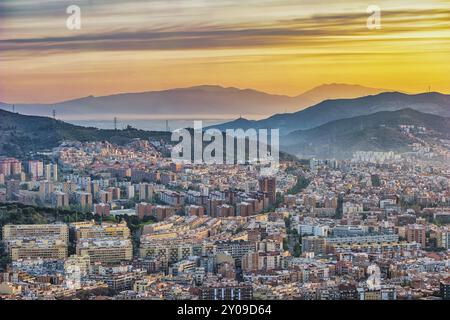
{"x": 443, "y": 239}
{"x": 268, "y": 185}
{"x": 115, "y": 193}
{"x": 194, "y": 210}
{"x": 105, "y": 196}
{"x": 225, "y": 210}
{"x": 146, "y": 191}
{"x": 51, "y": 172}
{"x": 211, "y": 208}
{"x": 416, "y": 233}
{"x": 46, "y": 190}
{"x": 102, "y": 209}
{"x": 84, "y": 200}
{"x": 163, "y": 212}
{"x": 47, "y": 172}
{"x": 129, "y": 191}
{"x": 10, "y": 166}
{"x": 94, "y": 189}
{"x": 144, "y": 209}
{"x": 60, "y": 199}
{"x": 35, "y": 169}
{"x": 244, "y": 209}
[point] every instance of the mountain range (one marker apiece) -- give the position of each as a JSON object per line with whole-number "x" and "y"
{"x": 332, "y": 128}
{"x": 379, "y": 131}
{"x": 331, "y": 110}
{"x": 200, "y": 102}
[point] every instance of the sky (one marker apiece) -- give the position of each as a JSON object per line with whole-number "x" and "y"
{"x": 276, "y": 46}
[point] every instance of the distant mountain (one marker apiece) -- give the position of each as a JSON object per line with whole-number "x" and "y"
{"x": 335, "y": 91}
{"x": 21, "y": 134}
{"x": 330, "y": 110}
{"x": 376, "y": 132}
{"x": 195, "y": 102}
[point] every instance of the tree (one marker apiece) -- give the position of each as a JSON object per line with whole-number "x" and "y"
{"x": 285, "y": 244}
{"x": 301, "y": 184}
{"x": 279, "y": 199}
{"x": 287, "y": 222}
{"x": 297, "y": 250}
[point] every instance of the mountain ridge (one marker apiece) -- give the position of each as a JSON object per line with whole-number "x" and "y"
{"x": 21, "y": 134}
{"x": 214, "y": 100}
{"x": 330, "y": 110}
{"x": 374, "y": 132}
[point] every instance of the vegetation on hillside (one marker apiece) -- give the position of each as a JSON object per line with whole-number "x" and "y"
{"x": 23, "y": 134}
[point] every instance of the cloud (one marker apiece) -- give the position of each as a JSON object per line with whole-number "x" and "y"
{"x": 314, "y": 30}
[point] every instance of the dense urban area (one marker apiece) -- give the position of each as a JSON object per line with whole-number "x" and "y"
{"x": 97, "y": 220}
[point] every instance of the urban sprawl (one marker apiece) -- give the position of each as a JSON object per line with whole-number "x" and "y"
{"x": 125, "y": 222}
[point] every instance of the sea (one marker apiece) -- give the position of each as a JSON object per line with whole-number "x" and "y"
{"x": 150, "y": 125}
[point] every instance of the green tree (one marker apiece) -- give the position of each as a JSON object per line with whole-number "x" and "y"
{"x": 301, "y": 184}
{"x": 297, "y": 250}
{"x": 285, "y": 244}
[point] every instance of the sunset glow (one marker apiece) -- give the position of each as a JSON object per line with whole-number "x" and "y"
{"x": 283, "y": 46}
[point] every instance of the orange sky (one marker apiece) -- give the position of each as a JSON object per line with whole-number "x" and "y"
{"x": 277, "y": 46}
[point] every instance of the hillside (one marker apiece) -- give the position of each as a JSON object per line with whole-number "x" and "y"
{"x": 331, "y": 110}
{"x": 375, "y": 132}
{"x": 208, "y": 101}
{"x": 21, "y": 134}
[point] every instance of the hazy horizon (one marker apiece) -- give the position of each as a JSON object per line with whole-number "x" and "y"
{"x": 283, "y": 47}
{"x": 426, "y": 90}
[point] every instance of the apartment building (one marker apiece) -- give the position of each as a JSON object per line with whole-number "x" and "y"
{"x": 84, "y": 200}
{"x": 106, "y": 251}
{"x": 10, "y": 166}
{"x": 36, "y": 231}
{"x": 314, "y": 244}
{"x": 416, "y": 233}
{"x": 60, "y": 199}
{"x": 52, "y": 249}
{"x": 91, "y": 230}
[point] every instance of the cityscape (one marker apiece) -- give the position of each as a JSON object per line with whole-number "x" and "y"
{"x": 341, "y": 192}
{"x": 125, "y": 222}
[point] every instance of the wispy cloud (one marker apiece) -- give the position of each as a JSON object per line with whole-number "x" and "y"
{"x": 274, "y": 45}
